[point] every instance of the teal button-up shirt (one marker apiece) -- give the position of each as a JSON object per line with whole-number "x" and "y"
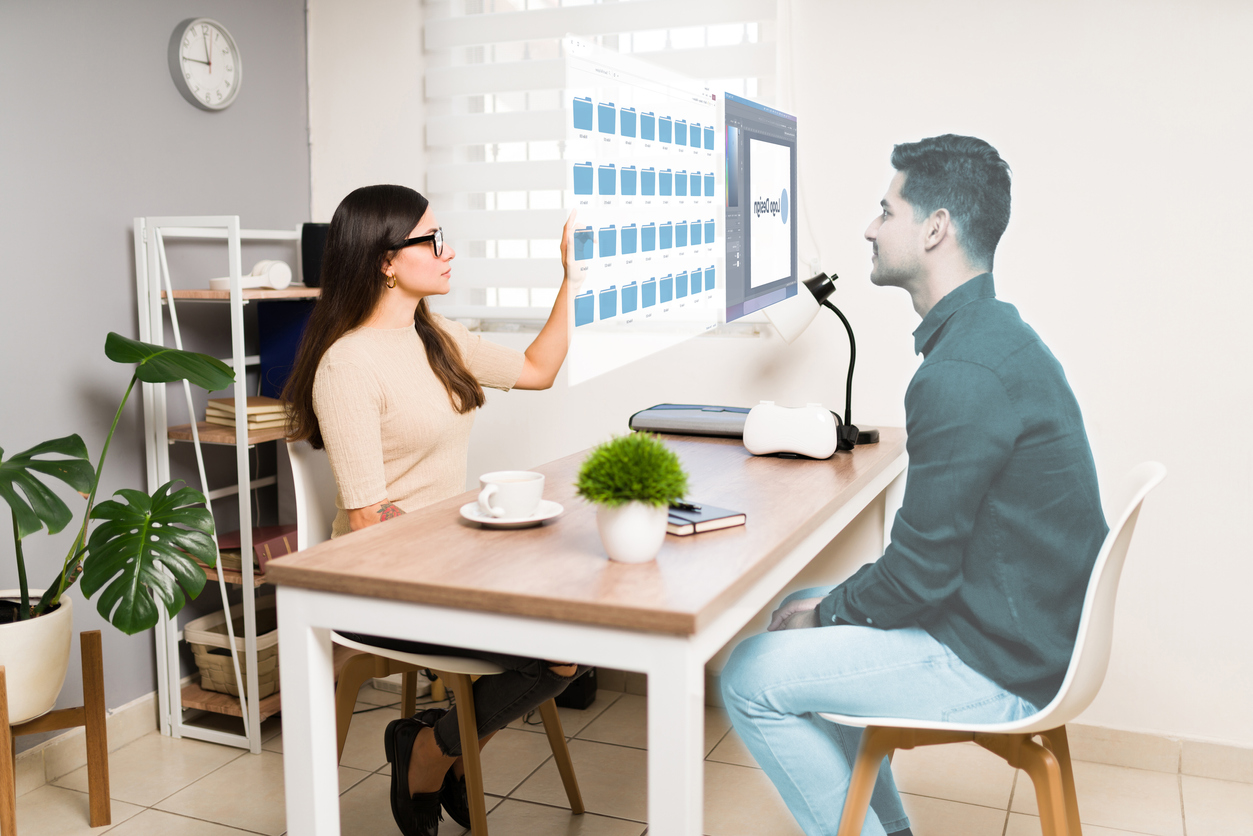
{"x": 1001, "y": 523}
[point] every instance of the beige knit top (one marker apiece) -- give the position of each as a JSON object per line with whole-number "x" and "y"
{"x": 388, "y": 424}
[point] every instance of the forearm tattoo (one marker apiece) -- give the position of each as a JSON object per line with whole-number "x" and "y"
{"x": 388, "y": 510}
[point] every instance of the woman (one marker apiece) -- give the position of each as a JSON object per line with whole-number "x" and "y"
{"x": 389, "y": 389}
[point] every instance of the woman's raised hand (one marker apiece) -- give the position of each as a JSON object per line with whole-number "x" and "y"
{"x": 574, "y": 276}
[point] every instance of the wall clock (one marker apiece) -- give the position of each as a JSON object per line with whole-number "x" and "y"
{"x": 205, "y": 63}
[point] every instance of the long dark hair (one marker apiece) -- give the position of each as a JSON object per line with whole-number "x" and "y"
{"x": 367, "y": 226}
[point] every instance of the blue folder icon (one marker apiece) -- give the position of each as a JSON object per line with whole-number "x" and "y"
{"x": 583, "y": 239}
{"x": 680, "y": 234}
{"x": 709, "y": 138}
{"x": 709, "y": 277}
{"x": 680, "y": 132}
{"x": 648, "y": 126}
{"x": 626, "y": 117}
{"x": 667, "y": 288}
{"x": 629, "y": 293}
{"x": 582, "y": 114}
{"x": 648, "y": 293}
{"x": 664, "y": 126}
{"x": 583, "y": 178}
{"x": 609, "y": 302}
{"x": 680, "y": 183}
{"x": 606, "y": 116}
{"x": 667, "y": 235}
{"x": 608, "y": 177}
{"x": 667, "y": 180}
{"x": 628, "y": 180}
{"x": 584, "y": 308}
{"x": 695, "y": 180}
{"x": 709, "y": 231}
{"x": 709, "y": 184}
{"x": 695, "y": 135}
{"x": 648, "y": 181}
{"x": 680, "y": 285}
{"x": 628, "y": 240}
{"x": 608, "y": 241}
{"x": 648, "y": 237}
{"x": 696, "y": 227}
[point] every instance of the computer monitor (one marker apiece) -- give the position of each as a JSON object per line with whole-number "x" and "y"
{"x": 761, "y": 260}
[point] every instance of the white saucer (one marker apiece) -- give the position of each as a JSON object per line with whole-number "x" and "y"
{"x": 546, "y": 510}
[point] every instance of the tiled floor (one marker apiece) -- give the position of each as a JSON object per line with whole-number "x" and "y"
{"x": 164, "y": 786}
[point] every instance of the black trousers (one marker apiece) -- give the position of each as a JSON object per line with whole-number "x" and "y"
{"x": 499, "y": 699}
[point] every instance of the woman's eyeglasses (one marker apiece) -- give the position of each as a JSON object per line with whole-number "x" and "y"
{"x": 436, "y": 238}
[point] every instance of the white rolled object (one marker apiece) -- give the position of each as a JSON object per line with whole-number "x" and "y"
{"x": 792, "y": 316}
{"x": 269, "y": 273}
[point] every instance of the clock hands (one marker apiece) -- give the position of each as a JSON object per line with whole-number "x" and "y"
{"x": 197, "y": 60}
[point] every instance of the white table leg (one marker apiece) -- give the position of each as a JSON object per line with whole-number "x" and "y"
{"x": 676, "y": 741}
{"x": 306, "y": 677}
{"x": 893, "y": 497}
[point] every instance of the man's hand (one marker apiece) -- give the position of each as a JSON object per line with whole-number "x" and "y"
{"x": 795, "y": 614}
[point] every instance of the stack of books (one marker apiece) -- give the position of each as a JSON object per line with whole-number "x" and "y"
{"x": 263, "y": 413}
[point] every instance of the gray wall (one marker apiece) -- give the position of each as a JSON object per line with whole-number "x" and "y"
{"x": 92, "y": 134}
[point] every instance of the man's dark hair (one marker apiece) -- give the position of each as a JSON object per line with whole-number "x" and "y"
{"x": 967, "y": 177}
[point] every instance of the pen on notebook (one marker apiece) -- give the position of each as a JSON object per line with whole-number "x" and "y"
{"x": 685, "y": 506}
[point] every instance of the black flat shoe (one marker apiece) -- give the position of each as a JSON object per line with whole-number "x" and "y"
{"x": 416, "y": 814}
{"x": 454, "y": 798}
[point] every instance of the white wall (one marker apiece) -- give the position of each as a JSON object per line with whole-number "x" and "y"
{"x": 1126, "y": 124}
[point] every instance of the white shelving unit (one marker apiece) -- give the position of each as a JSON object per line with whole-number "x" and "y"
{"x": 156, "y": 294}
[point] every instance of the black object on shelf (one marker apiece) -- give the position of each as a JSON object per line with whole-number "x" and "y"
{"x": 281, "y": 325}
{"x": 312, "y": 244}
{"x": 580, "y": 693}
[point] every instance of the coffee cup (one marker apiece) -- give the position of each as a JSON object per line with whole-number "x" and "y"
{"x": 510, "y": 494}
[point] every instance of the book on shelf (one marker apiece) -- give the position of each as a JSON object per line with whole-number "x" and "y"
{"x": 257, "y": 405}
{"x": 693, "y": 518}
{"x": 223, "y": 421}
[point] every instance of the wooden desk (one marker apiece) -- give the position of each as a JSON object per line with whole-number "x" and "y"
{"x": 551, "y": 593}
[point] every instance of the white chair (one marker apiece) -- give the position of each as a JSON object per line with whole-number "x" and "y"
{"x": 315, "y": 512}
{"x": 1048, "y": 765}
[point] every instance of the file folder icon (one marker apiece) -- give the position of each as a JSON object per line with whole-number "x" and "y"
{"x": 582, "y": 114}
{"x": 609, "y": 302}
{"x": 695, "y": 181}
{"x": 709, "y": 138}
{"x": 626, "y": 121}
{"x": 680, "y": 285}
{"x": 680, "y": 183}
{"x": 696, "y": 228}
{"x": 709, "y": 231}
{"x": 648, "y": 237}
{"x": 648, "y": 293}
{"x": 648, "y": 181}
{"x": 584, "y": 308}
{"x": 667, "y": 235}
{"x": 664, "y": 126}
{"x": 606, "y": 116}
{"x": 583, "y": 178}
{"x": 648, "y": 126}
{"x": 709, "y": 277}
{"x": 709, "y": 184}
{"x": 628, "y": 180}
{"x": 608, "y": 179}
{"x": 629, "y": 293}
{"x": 680, "y": 234}
{"x": 628, "y": 241}
{"x": 583, "y": 239}
{"x": 608, "y": 241}
{"x": 667, "y": 288}
{"x": 695, "y": 135}
{"x": 680, "y": 132}
{"x": 666, "y": 184}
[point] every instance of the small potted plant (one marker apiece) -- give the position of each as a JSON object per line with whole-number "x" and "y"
{"x": 632, "y": 479}
{"x": 141, "y": 554}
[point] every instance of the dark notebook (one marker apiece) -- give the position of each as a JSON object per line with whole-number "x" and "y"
{"x": 693, "y": 518}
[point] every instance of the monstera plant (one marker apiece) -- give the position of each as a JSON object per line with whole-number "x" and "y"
{"x": 143, "y": 552}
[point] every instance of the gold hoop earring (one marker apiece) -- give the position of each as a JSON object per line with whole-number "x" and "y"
{"x": 391, "y": 280}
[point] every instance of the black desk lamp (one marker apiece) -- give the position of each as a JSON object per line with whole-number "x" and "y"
{"x": 793, "y": 316}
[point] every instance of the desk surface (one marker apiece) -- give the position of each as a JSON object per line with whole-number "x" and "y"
{"x": 559, "y": 571}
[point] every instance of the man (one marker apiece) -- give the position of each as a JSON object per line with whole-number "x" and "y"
{"x": 972, "y": 611}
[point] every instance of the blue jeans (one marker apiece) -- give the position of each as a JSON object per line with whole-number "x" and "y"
{"x": 775, "y": 684}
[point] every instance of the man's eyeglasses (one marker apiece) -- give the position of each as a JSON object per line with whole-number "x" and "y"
{"x": 436, "y": 238}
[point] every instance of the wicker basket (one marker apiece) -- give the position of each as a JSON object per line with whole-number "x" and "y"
{"x": 211, "y": 647}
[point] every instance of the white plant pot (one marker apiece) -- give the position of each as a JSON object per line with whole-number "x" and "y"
{"x": 634, "y": 532}
{"x": 35, "y": 655}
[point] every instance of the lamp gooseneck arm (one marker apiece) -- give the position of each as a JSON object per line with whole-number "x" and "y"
{"x": 852, "y": 361}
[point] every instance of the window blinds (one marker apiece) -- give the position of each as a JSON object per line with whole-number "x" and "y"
{"x": 496, "y": 128}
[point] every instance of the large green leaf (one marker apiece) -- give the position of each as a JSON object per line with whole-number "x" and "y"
{"x": 142, "y": 554}
{"x": 158, "y": 364}
{"x": 41, "y": 507}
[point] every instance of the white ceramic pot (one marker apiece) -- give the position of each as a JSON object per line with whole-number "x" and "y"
{"x": 35, "y": 654}
{"x": 633, "y": 532}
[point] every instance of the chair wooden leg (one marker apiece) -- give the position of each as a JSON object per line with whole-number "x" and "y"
{"x": 8, "y": 770}
{"x": 408, "y": 693}
{"x": 561, "y": 753}
{"x": 353, "y": 675}
{"x": 97, "y": 735}
{"x": 1020, "y": 751}
{"x": 467, "y": 725}
{"x": 1059, "y": 745}
{"x": 876, "y": 743}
